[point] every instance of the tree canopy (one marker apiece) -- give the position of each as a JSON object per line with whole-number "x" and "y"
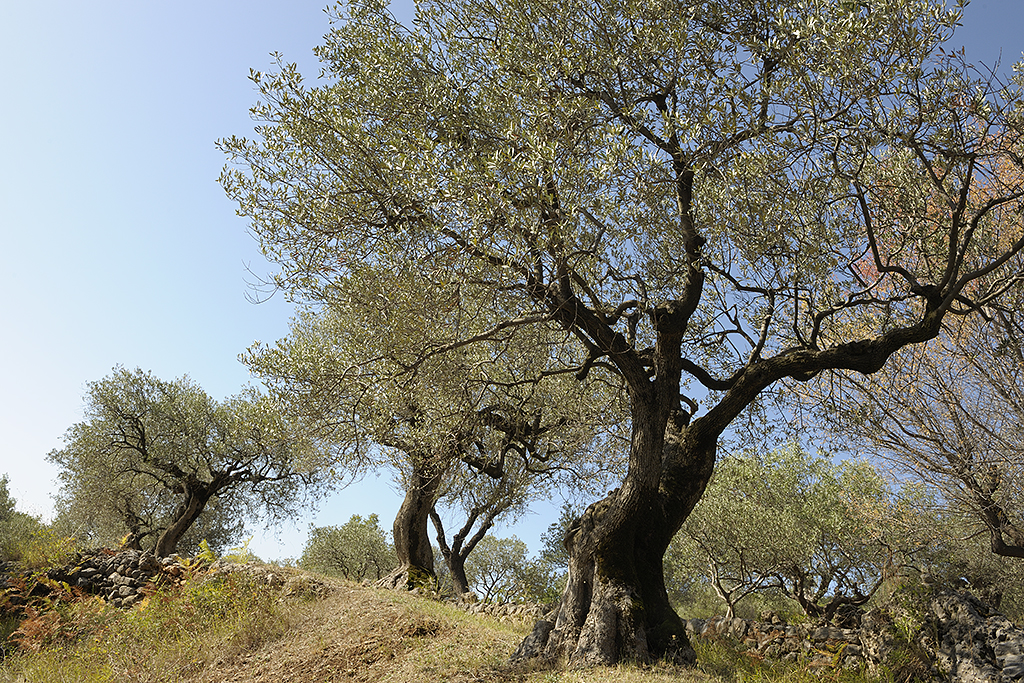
{"x": 160, "y": 455}
{"x": 356, "y": 550}
{"x": 698, "y": 200}
{"x": 460, "y": 431}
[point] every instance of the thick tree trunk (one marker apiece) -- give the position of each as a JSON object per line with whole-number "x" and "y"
{"x": 412, "y": 541}
{"x": 196, "y": 498}
{"x": 615, "y": 606}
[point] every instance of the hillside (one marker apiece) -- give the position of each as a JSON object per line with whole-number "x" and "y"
{"x": 202, "y": 621}
{"x": 306, "y": 628}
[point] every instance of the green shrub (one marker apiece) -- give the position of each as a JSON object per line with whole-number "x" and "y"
{"x": 356, "y": 550}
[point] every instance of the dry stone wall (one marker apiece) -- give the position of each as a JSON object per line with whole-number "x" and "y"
{"x": 954, "y": 637}
{"x": 119, "y": 578}
{"x": 123, "y": 578}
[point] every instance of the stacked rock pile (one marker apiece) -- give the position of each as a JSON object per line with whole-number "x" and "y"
{"x": 959, "y": 638}
{"x": 119, "y": 577}
{"x": 817, "y": 646}
{"x": 504, "y": 611}
{"x": 258, "y": 574}
{"x": 291, "y": 582}
{"x": 501, "y": 610}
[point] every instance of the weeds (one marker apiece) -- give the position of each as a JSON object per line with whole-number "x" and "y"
{"x": 173, "y": 632}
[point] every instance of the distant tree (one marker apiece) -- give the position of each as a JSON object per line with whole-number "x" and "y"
{"x": 824, "y": 534}
{"x": 154, "y": 456}
{"x": 356, "y": 550}
{"x": 496, "y": 569}
{"x": 16, "y": 528}
{"x": 6, "y": 500}
{"x": 543, "y": 578}
{"x": 553, "y": 550}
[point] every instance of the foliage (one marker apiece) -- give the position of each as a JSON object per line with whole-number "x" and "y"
{"x": 553, "y": 550}
{"x": 823, "y": 533}
{"x": 356, "y": 550}
{"x": 240, "y": 553}
{"x": 206, "y": 555}
{"x": 496, "y": 569}
{"x": 7, "y": 502}
{"x": 957, "y": 557}
{"x": 463, "y": 436}
{"x": 23, "y": 538}
{"x": 725, "y": 660}
{"x": 154, "y": 457}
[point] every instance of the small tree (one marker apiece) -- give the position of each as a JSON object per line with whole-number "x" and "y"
{"x": 157, "y": 455}
{"x": 826, "y": 535}
{"x": 356, "y": 550}
{"x": 495, "y": 569}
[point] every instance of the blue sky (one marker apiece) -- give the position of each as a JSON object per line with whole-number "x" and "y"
{"x": 117, "y": 245}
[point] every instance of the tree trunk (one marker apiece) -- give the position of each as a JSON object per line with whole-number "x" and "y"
{"x": 457, "y": 567}
{"x": 412, "y": 541}
{"x": 455, "y": 554}
{"x": 196, "y": 498}
{"x": 615, "y": 606}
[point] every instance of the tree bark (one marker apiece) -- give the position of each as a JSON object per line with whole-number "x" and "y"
{"x": 457, "y": 567}
{"x": 412, "y": 541}
{"x": 615, "y": 606}
{"x": 197, "y": 496}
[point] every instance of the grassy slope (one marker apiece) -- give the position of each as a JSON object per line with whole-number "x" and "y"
{"x": 228, "y": 632}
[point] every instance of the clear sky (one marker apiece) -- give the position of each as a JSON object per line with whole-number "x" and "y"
{"x": 117, "y": 245}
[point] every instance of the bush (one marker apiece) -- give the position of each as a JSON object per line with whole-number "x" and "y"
{"x": 356, "y": 550}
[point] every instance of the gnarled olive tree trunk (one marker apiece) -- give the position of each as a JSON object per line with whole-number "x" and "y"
{"x": 196, "y": 495}
{"x": 412, "y": 542}
{"x": 615, "y": 606}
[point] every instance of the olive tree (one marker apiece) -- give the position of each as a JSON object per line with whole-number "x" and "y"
{"x": 158, "y": 455}
{"x": 495, "y": 569}
{"x": 356, "y": 550}
{"x": 825, "y": 534}
{"x": 459, "y": 432}
{"x": 698, "y": 200}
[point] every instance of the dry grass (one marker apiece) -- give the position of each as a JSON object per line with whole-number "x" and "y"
{"x": 229, "y": 632}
